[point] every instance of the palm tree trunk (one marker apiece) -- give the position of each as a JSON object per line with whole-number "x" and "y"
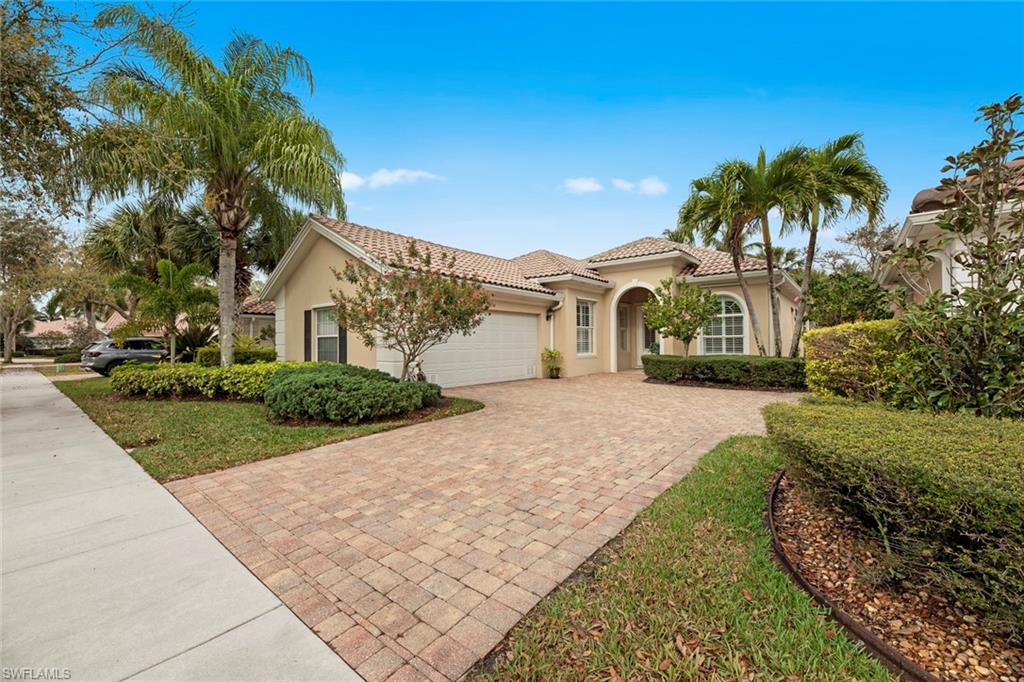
{"x": 773, "y": 295}
{"x": 174, "y": 351}
{"x": 805, "y": 285}
{"x": 735, "y": 248}
{"x": 226, "y": 297}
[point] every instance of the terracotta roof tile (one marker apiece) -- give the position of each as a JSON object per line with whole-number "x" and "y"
{"x": 389, "y": 246}
{"x": 254, "y": 306}
{"x": 706, "y": 261}
{"x": 543, "y": 263}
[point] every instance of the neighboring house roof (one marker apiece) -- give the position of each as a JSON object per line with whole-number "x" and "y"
{"x": 543, "y": 263}
{"x": 940, "y": 198}
{"x": 255, "y": 306}
{"x": 62, "y": 326}
{"x": 389, "y": 247}
{"x": 704, "y": 261}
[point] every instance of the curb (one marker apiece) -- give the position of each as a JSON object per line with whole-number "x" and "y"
{"x": 888, "y": 656}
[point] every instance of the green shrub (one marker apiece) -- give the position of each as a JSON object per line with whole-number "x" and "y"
{"x": 944, "y": 493}
{"x": 740, "y": 370}
{"x": 338, "y": 368}
{"x": 239, "y": 382}
{"x": 338, "y": 396}
{"x": 68, "y": 357}
{"x": 209, "y": 356}
{"x": 853, "y": 360}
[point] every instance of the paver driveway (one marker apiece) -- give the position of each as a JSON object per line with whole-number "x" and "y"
{"x": 414, "y": 551}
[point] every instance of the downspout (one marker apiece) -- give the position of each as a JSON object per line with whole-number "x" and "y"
{"x": 549, "y": 316}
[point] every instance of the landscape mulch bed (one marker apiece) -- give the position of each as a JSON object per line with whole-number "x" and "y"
{"x": 832, "y": 553}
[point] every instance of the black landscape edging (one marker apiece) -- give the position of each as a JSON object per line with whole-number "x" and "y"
{"x": 891, "y": 658}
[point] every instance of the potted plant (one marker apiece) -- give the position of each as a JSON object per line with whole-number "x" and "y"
{"x": 552, "y": 362}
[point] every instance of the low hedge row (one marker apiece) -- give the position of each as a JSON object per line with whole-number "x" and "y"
{"x": 855, "y": 360}
{"x": 943, "y": 492}
{"x": 68, "y": 357}
{"x": 739, "y": 370}
{"x": 209, "y": 356}
{"x": 240, "y": 382}
{"x": 344, "y": 397}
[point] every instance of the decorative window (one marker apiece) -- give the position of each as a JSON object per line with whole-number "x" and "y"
{"x": 650, "y": 338}
{"x": 623, "y": 329}
{"x": 725, "y": 334}
{"x": 326, "y": 335}
{"x": 584, "y": 327}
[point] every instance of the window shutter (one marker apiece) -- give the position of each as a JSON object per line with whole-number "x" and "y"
{"x": 307, "y": 331}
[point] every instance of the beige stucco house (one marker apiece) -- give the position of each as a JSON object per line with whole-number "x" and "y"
{"x": 588, "y": 308}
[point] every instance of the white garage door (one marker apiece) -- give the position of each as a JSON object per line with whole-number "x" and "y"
{"x": 503, "y": 348}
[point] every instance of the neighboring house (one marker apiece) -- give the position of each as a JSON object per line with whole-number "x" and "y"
{"x": 257, "y": 320}
{"x": 50, "y": 334}
{"x": 921, "y": 226}
{"x": 589, "y": 309}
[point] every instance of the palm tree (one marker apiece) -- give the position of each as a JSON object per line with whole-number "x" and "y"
{"x": 787, "y": 259}
{"x": 839, "y": 181}
{"x": 767, "y": 187}
{"x": 717, "y": 210}
{"x": 133, "y": 238}
{"x": 176, "y": 292}
{"x": 231, "y": 132}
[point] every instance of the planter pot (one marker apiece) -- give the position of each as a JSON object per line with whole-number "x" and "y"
{"x": 554, "y": 372}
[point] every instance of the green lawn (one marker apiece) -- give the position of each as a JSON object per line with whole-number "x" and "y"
{"x": 68, "y": 368}
{"x": 176, "y": 439}
{"x": 691, "y": 594}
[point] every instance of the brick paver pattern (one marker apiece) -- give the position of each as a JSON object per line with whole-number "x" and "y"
{"x": 414, "y": 551}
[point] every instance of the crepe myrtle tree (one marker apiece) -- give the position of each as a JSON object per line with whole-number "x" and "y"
{"x": 411, "y": 305}
{"x": 680, "y": 311}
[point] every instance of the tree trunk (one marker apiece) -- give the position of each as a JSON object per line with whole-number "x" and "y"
{"x": 226, "y": 298}
{"x": 174, "y": 353}
{"x": 10, "y": 338}
{"x": 735, "y": 248}
{"x": 773, "y": 297}
{"x": 805, "y": 285}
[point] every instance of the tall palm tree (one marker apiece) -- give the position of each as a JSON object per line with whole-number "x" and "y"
{"x": 133, "y": 238}
{"x": 839, "y": 181}
{"x": 768, "y": 187}
{"x": 175, "y": 292}
{"x": 717, "y": 210}
{"x": 785, "y": 258}
{"x": 231, "y": 132}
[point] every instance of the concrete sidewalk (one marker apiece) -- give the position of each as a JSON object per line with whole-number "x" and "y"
{"x": 107, "y": 576}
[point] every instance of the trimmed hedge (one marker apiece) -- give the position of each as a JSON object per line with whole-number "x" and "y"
{"x": 344, "y": 397}
{"x": 739, "y": 370}
{"x": 209, "y": 356}
{"x": 68, "y": 357}
{"x": 944, "y": 492}
{"x": 240, "y": 382}
{"x": 855, "y": 360}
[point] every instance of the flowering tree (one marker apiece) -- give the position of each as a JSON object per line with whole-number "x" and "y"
{"x": 409, "y": 306}
{"x": 680, "y": 314}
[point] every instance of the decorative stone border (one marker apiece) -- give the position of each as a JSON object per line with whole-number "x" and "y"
{"x": 890, "y": 657}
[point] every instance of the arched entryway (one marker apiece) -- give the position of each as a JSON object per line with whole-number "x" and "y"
{"x": 630, "y": 338}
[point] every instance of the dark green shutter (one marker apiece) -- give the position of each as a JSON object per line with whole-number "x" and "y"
{"x": 307, "y": 331}
{"x": 342, "y": 344}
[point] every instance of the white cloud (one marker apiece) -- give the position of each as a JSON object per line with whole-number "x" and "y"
{"x": 386, "y": 177}
{"x": 651, "y": 186}
{"x": 582, "y": 185}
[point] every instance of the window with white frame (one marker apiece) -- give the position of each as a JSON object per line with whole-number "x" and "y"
{"x": 584, "y": 327}
{"x": 724, "y": 335}
{"x": 623, "y": 329}
{"x": 326, "y": 335}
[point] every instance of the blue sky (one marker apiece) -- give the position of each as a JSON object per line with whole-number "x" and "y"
{"x": 478, "y": 115}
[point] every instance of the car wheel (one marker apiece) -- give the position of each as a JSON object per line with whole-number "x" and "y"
{"x": 109, "y": 368}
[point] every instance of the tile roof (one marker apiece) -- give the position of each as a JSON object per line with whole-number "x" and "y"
{"x": 389, "y": 246}
{"x": 708, "y": 261}
{"x": 254, "y": 306}
{"x": 543, "y": 263}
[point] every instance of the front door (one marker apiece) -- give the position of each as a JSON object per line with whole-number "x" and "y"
{"x": 646, "y": 337}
